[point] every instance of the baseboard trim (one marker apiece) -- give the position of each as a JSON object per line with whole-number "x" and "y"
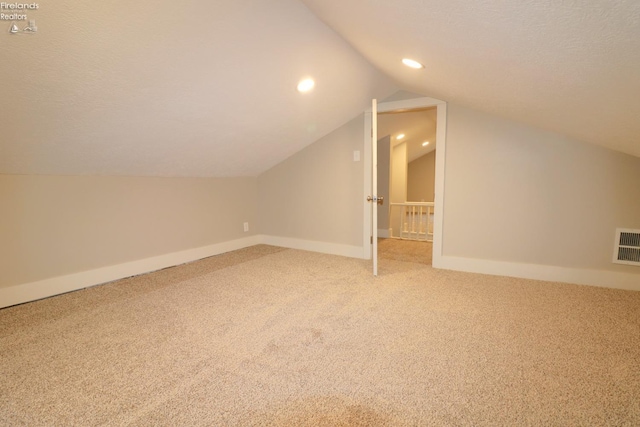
{"x": 315, "y": 246}
{"x": 58, "y": 285}
{"x": 601, "y": 278}
{"x": 72, "y": 282}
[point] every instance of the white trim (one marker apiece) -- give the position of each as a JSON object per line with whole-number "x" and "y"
{"x": 617, "y": 245}
{"x": 438, "y": 216}
{"x": 601, "y": 278}
{"x": 26, "y": 292}
{"x": 408, "y": 104}
{"x": 314, "y": 246}
{"x": 33, "y": 291}
{"x": 58, "y": 285}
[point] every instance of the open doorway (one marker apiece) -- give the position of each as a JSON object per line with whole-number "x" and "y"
{"x": 370, "y": 223}
{"x": 406, "y": 151}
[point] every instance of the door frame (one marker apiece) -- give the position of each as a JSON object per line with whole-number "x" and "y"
{"x": 441, "y": 133}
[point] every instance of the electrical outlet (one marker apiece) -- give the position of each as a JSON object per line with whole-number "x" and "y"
{"x": 246, "y": 227}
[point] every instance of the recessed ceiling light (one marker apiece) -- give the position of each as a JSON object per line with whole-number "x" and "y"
{"x": 412, "y": 63}
{"x": 306, "y": 85}
{"x": 424, "y": 144}
{"x": 400, "y": 136}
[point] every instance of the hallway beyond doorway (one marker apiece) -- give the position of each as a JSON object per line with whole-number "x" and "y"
{"x": 405, "y": 250}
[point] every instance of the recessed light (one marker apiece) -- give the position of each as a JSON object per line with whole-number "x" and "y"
{"x": 400, "y": 136}
{"x": 412, "y": 63}
{"x": 306, "y": 85}
{"x": 424, "y": 144}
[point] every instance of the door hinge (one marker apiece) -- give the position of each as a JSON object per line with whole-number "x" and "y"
{"x": 371, "y": 239}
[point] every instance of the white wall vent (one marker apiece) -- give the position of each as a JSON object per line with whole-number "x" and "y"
{"x": 627, "y": 249}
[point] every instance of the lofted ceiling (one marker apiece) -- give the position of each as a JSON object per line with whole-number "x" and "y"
{"x": 572, "y": 67}
{"x": 158, "y": 88}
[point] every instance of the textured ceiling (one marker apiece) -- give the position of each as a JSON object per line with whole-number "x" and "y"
{"x": 208, "y": 88}
{"x": 193, "y": 88}
{"x": 571, "y": 66}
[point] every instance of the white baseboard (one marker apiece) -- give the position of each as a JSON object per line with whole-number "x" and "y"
{"x": 58, "y": 285}
{"x": 602, "y": 278}
{"x": 314, "y": 246}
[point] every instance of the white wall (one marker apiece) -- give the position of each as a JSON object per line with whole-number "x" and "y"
{"x": 522, "y": 195}
{"x": 60, "y": 225}
{"x": 317, "y": 194}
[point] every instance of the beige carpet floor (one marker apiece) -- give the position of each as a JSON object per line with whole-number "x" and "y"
{"x": 273, "y": 337}
{"x": 405, "y": 250}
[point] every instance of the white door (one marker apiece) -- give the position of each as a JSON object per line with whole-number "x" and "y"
{"x": 374, "y": 184}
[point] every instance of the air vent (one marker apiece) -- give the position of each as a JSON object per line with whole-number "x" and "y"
{"x": 627, "y": 249}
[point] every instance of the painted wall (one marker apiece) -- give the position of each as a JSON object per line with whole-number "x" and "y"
{"x": 59, "y": 225}
{"x": 421, "y": 175}
{"x": 317, "y": 194}
{"x": 513, "y": 193}
{"x": 398, "y": 185}
{"x": 384, "y": 163}
{"x": 518, "y": 194}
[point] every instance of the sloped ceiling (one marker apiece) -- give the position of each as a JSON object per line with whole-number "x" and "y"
{"x": 165, "y": 88}
{"x": 572, "y": 67}
{"x": 200, "y": 88}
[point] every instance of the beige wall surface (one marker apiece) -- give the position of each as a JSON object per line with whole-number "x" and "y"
{"x": 58, "y": 225}
{"x": 384, "y": 163}
{"x": 421, "y": 178}
{"x": 518, "y": 194}
{"x": 317, "y": 194}
{"x": 398, "y": 186}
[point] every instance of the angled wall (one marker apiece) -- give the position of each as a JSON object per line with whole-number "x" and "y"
{"x": 519, "y": 201}
{"x": 61, "y": 233}
{"x": 313, "y": 200}
{"x": 521, "y": 197}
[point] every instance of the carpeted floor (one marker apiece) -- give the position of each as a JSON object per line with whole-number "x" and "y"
{"x": 405, "y": 250}
{"x": 275, "y": 337}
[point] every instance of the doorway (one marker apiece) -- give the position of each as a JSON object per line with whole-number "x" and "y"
{"x": 406, "y": 180}
{"x": 370, "y": 230}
